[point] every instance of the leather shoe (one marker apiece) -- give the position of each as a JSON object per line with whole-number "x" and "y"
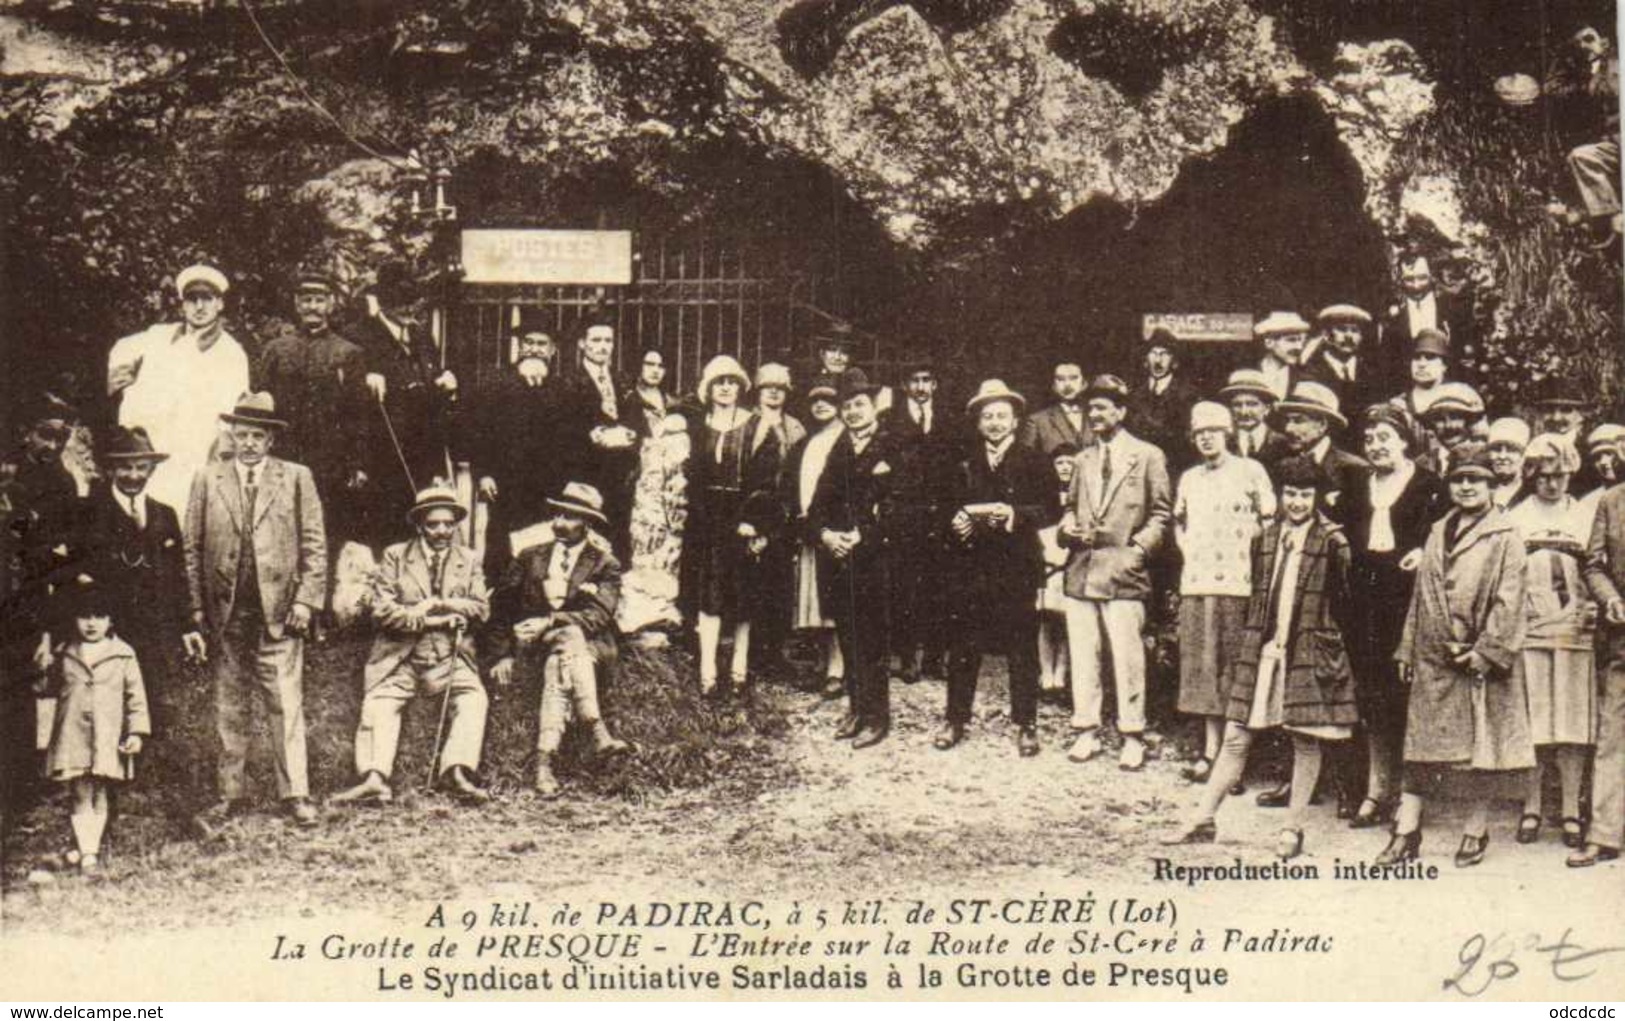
{"x": 1289, "y": 844}
{"x": 1027, "y": 742}
{"x": 463, "y": 787}
{"x": 373, "y": 789}
{"x": 849, "y": 727}
{"x": 1472, "y": 849}
{"x": 303, "y": 813}
{"x": 1132, "y": 758}
{"x": 1275, "y": 797}
{"x": 1372, "y": 813}
{"x": 1198, "y": 771}
{"x": 868, "y": 737}
{"x": 1573, "y": 833}
{"x": 1196, "y": 833}
{"x": 1402, "y": 847}
{"x": 1528, "y": 828}
{"x": 950, "y": 735}
{"x": 1086, "y": 747}
{"x": 1591, "y": 854}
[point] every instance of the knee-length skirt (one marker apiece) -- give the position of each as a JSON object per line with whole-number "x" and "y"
{"x": 1210, "y": 632}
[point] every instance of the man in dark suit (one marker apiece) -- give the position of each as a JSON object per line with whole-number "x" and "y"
{"x": 850, "y": 520}
{"x": 1251, "y": 402}
{"x": 1308, "y": 417}
{"x": 256, "y": 572}
{"x": 605, "y": 427}
{"x": 555, "y": 613}
{"x": 132, "y": 546}
{"x": 931, "y": 443}
{"x": 1160, "y": 410}
{"x": 1063, "y": 421}
{"x": 1419, "y": 306}
{"x": 1339, "y": 364}
{"x": 998, "y": 496}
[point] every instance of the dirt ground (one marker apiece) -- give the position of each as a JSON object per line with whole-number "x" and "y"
{"x": 818, "y": 819}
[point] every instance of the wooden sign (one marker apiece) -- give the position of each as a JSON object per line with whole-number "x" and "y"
{"x": 547, "y": 256}
{"x": 1200, "y": 327}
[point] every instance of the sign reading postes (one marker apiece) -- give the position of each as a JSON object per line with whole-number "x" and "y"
{"x": 547, "y": 256}
{"x": 1200, "y": 327}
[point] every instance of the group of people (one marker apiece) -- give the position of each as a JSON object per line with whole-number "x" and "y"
{"x": 1360, "y": 558}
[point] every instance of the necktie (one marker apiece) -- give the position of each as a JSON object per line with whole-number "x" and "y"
{"x": 1105, "y": 466}
{"x": 251, "y": 492}
{"x": 437, "y": 573}
{"x": 1273, "y": 609}
{"x": 135, "y": 511}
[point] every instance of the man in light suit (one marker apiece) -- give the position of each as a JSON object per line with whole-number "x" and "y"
{"x": 1064, "y": 420}
{"x": 256, "y": 571}
{"x": 1116, "y": 521}
{"x": 555, "y": 611}
{"x": 426, "y": 597}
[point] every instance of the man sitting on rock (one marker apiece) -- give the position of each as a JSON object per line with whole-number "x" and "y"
{"x": 555, "y": 610}
{"x": 427, "y": 596}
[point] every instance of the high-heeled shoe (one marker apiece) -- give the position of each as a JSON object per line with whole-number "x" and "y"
{"x": 1373, "y": 812}
{"x": 1402, "y": 847}
{"x": 1472, "y": 849}
{"x": 1574, "y": 833}
{"x": 1528, "y": 828}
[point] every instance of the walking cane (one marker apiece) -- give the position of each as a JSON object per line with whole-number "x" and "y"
{"x": 395, "y": 441}
{"x": 445, "y": 701}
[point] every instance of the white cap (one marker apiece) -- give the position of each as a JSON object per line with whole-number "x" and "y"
{"x": 1210, "y": 415}
{"x": 201, "y": 274}
{"x": 1514, "y": 432}
{"x": 1278, "y": 324}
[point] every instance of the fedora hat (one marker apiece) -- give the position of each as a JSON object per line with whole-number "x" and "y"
{"x": 994, "y": 390}
{"x": 722, "y": 367}
{"x": 580, "y": 498}
{"x": 1280, "y": 324}
{"x": 131, "y": 445}
{"x": 856, "y": 383}
{"x": 1248, "y": 381}
{"x": 433, "y": 498}
{"x": 1314, "y": 399}
{"x": 1110, "y": 387}
{"x": 258, "y": 408}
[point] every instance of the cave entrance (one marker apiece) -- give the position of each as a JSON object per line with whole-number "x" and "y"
{"x": 740, "y": 254}
{"x": 1275, "y": 220}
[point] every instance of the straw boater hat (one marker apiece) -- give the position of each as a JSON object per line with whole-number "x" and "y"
{"x": 1511, "y": 432}
{"x": 719, "y": 368}
{"x": 257, "y": 408}
{"x": 1333, "y": 315}
{"x": 1312, "y": 398}
{"x": 131, "y": 445}
{"x": 207, "y": 276}
{"x": 994, "y": 390}
{"x": 773, "y": 374}
{"x": 580, "y": 498}
{"x": 435, "y": 498}
{"x": 1455, "y": 397}
{"x": 1248, "y": 381}
{"x": 1607, "y": 434}
{"x": 1210, "y": 415}
{"x": 1280, "y": 324}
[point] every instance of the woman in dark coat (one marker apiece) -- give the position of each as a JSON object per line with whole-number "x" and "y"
{"x": 733, "y": 509}
{"x": 1291, "y": 669}
{"x": 1390, "y": 512}
{"x": 1468, "y": 713}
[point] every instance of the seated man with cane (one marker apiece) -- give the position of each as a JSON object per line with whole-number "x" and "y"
{"x": 427, "y": 594}
{"x": 555, "y": 609}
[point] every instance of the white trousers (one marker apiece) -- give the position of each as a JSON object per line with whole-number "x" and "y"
{"x": 1094, "y": 629}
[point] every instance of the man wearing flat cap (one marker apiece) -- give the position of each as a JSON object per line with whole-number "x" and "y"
{"x": 428, "y": 597}
{"x": 1284, "y": 336}
{"x": 1117, "y": 520}
{"x": 319, "y": 382}
{"x": 852, "y": 522}
{"x": 256, "y": 572}
{"x": 175, "y": 380}
{"x": 996, "y": 500}
{"x": 554, "y": 614}
{"x": 1339, "y": 362}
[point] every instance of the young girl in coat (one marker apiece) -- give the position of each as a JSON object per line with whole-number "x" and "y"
{"x": 101, "y": 720}
{"x": 1291, "y": 669}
